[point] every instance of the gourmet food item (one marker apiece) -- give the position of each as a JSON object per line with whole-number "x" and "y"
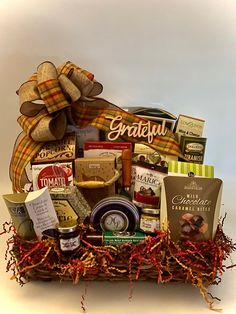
{"x": 52, "y": 175}
{"x": 193, "y": 148}
{"x": 189, "y": 126}
{"x": 115, "y": 213}
{"x": 114, "y": 238}
{"x": 146, "y": 181}
{"x": 41, "y": 210}
{"x": 150, "y": 220}
{"x": 94, "y": 169}
{"x": 19, "y": 215}
{"x": 32, "y": 213}
{"x": 180, "y": 168}
{"x": 91, "y": 174}
{"x": 69, "y": 237}
{"x": 69, "y": 204}
{"x": 61, "y": 150}
{"x": 145, "y": 153}
{"x": 190, "y": 207}
{"x": 88, "y": 133}
{"x": 106, "y": 149}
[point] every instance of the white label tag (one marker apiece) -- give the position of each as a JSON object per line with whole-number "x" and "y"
{"x": 70, "y": 244}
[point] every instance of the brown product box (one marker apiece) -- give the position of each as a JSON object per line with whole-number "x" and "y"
{"x": 190, "y": 207}
{"x": 95, "y": 169}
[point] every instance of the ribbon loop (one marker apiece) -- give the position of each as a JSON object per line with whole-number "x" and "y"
{"x": 50, "y": 128}
{"x": 28, "y": 94}
{"x": 69, "y": 88}
{"x": 52, "y": 95}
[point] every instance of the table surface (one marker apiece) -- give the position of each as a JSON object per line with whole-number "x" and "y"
{"x": 106, "y": 297}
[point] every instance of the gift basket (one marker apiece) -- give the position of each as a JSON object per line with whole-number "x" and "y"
{"x": 104, "y": 193}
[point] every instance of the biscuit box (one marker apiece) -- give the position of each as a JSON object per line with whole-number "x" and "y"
{"x": 52, "y": 175}
{"x": 93, "y": 173}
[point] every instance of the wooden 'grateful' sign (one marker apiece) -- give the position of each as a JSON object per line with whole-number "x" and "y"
{"x": 141, "y": 129}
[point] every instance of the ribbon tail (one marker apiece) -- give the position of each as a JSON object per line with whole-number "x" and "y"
{"x": 24, "y": 151}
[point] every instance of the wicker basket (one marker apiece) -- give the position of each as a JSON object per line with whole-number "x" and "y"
{"x": 156, "y": 258}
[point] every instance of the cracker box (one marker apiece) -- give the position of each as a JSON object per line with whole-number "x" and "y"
{"x": 52, "y": 175}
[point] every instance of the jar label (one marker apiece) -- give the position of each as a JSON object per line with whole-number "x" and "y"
{"x": 70, "y": 244}
{"x": 149, "y": 224}
{"x": 114, "y": 220}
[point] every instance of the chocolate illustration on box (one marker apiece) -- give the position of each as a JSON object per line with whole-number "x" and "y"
{"x": 146, "y": 184}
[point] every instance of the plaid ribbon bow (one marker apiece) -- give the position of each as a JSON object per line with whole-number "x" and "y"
{"x": 54, "y": 97}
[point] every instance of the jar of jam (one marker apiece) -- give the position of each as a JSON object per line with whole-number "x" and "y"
{"x": 150, "y": 220}
{"x": 69, "y": 237}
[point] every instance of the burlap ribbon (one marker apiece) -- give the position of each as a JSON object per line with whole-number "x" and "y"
{"x": 54, "y": 97}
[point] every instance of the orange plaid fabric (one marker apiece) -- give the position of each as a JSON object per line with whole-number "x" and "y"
{"x": 52, "y": 95}
{"x": 24, "y": 153}
{"x": 28, "y": 123}
{"x": 69, "y": 66}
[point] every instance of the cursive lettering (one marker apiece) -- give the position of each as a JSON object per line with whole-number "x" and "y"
{"x": 141, "y": 129}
